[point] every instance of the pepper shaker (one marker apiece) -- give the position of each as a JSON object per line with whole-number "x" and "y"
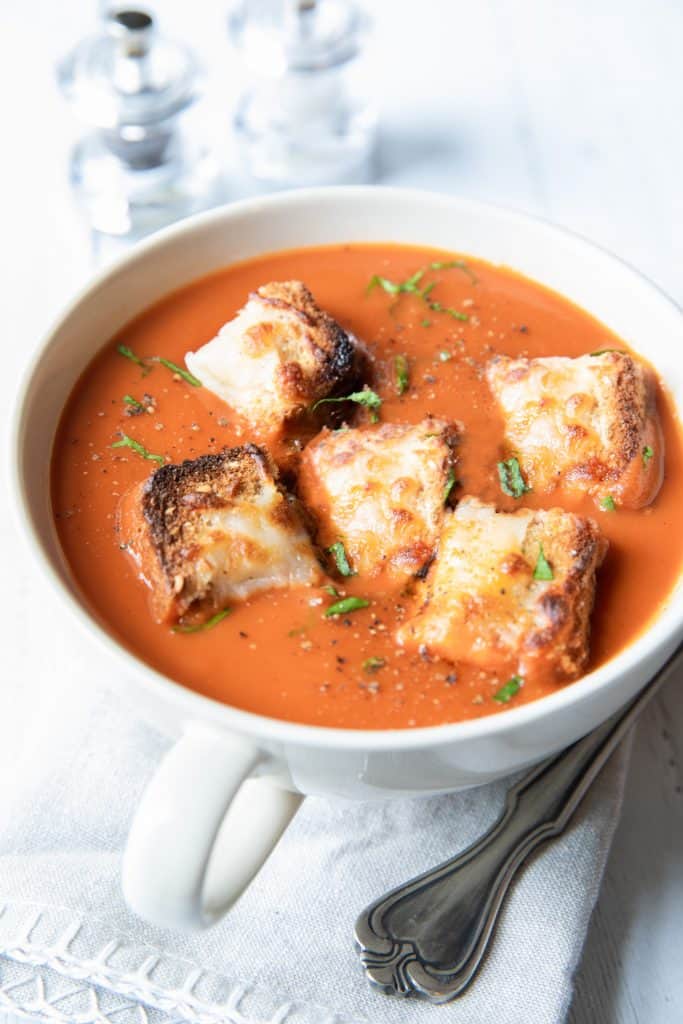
{"x": 306, "y": 116}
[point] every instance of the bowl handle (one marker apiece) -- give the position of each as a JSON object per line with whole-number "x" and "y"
{"x": 202, "y": 830}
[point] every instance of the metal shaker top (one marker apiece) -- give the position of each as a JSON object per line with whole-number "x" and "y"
{"x": 128, "y": 74}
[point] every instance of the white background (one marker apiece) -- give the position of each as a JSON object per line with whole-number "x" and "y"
{"x": 572, "y": 111}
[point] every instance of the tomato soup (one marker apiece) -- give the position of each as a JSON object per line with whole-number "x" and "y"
{"x": 277, "y": 654}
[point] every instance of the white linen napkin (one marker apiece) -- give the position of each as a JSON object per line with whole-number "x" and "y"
{"x": 73, "y": 763}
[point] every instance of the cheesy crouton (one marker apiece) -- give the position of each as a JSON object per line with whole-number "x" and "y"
{"x": 482, "y": 603}
{"x": 588, "y": 425}
{"x": 380, "y": 492}
{"x": 277, "y": 357}
{"x": 214, "y": 530}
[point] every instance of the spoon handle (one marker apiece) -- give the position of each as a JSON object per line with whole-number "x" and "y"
{"x": 429, "y": 935}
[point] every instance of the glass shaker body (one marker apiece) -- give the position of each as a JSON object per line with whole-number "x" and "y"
{"x": 306, "y": 116}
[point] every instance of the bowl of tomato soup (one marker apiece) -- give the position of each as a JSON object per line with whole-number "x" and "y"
{"x": 370, "y": 493}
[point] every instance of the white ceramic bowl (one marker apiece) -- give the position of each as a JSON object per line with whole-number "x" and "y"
{"x": 186, "y": 861}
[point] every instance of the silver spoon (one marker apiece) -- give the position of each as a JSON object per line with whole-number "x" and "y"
{"x": 429, "y": 935}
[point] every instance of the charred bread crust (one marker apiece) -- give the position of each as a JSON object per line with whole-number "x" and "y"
{"x": 338, "y": 360}
{"x": 576, "y": 549}
{"x": 209, "y": 481}
{"x": 175, "y": 495}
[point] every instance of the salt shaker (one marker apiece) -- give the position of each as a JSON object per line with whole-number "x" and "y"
{"x": 306, "y": 116}
{"x": 142, "y": 164}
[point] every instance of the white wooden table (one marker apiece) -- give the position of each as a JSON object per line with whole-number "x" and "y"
{"x": 569, "y": 111}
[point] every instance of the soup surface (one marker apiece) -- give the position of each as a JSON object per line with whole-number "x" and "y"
{"x": 277, "y": 654}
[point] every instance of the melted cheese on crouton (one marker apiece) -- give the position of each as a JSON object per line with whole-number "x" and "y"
{"x": 481, "y": 604}
{"x": 588, "y": 424}
{"x": 215, "y": 530}
{"x": 380, "y": 492}
{"x": 278, "y": 356}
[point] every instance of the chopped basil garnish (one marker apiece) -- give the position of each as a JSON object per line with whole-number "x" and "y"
{"x": 608, "y": 503}
{"x": 338, "y": 552}
{"x": 367, "y": 397}
{"x": 128, "y": 353}
{"x": 603, "y": 351}
{"x": 543, "y": 570}
{"x": 511, "y": 480}
{"x": 200, "y": 627}
{"x": 373, "y": 664}
{"x": 449, "y": 485}
{"x": 508, "y": 690}
{"x": 174, "y": 368}
{"x": 647, "y": 454}
{"x": 130, "y": 442}
{"x": 133, "y": 402}
{"x": 425, "y": 323}
{"x": 347, "y": 604}
{"x": 455, "y": 265}
{"x": 390, "y": 287}
{"x": 411, "y": 286}
{"x": 332, "y": 591}
{"x": 455, "y": 313}
{"x": 402, "y": 375}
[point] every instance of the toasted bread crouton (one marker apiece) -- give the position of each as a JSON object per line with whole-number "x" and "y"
{"x": 277, "y": 357}
{"x": 380, "y": 492}
{"x": 215, "y": 530}
{"x": 480, "y": 602}
{"x": 588, "y": 425}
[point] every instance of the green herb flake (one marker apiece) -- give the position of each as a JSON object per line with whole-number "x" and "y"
{"x": 347, "y": 604}
{"x": 647, "y": 454}
{"x": 455, "y": 265}
{"x": 603, "y": 351}
{"x": 411, "y": 283}
{"x": 508, "y": 690}
{"x": 338, "y": 552}
{"x": 201, "y": 627}
{"x": 370, "y": 399}
{"x": 543, "y": 569}
{"x": 402, "y": 374}
{"x": 445, "y": 356}
{"x": 511, "y": 480}
{"x": 129, "y": 400}
{"x": 174, "y": 368}
{"x": 390, "y": 287}
{"x": 128, "y": 353}
{"x": 411, "y": 286}
{"x": 373, "y": 664}
{"x": 608, "y": 503}
{"x": 332, "y": 591}
{"x": 425, "y": 323}
{"x": 455, "y": 313}
{"x": 449, "y": 485}
{"x": 130, "y": 442}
